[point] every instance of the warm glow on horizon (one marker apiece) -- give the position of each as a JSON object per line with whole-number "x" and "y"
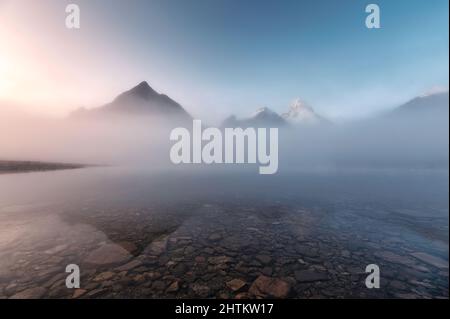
{"x": 6, "y": 82}
{"x": 27, "y": 75}
{"x": 43, "y": 69}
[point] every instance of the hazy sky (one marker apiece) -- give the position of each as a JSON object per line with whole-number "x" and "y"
{"x": 217, "y": 57}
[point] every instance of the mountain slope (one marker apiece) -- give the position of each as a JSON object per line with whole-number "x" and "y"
{"x": 436, "y": 104}
{"x": 141, "y": 100}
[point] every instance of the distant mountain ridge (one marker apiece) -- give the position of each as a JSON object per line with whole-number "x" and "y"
{"x": 139, "y": 100}
{"x": 430, "y": 103}
{"x": 263, "y": 117}
{"x": 299, "y": 113}
{"x": 143, "y": 100}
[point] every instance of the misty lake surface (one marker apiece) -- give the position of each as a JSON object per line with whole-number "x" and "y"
{"x": 138, "y": 233}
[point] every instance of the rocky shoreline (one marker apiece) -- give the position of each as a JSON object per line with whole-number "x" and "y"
{"x": 255, "y": 252}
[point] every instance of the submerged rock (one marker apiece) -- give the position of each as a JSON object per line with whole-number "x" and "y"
{"x": 310, "y": 276}
{"x": 131, "y": 265}
{"x": 431, "y": 260}
{"x": 219, "y": 260}
{"x": 108, "y": 254}
{"x": 235, "y": 284}
{"x": 78, "y": 293}
{"x": 31, "y": 293}
{"x": 104, "y": 276}
{"x": 200, "y": 290}
{"x": 158, "y": 246}
{"x": 173, "y": 287}
{"x": 267, "y": 287}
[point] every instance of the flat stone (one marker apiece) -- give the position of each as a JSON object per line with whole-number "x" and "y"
{"x": 310, "y": 276}
{"x": 265, "y": 259}
{"x": 215, "y": 237}
{"x": 219, "y": 260}
{"x": 173, "y": 287}
{"x": 157, "y": 247}
{"x": 242, "y": 295}
{"x": 31, "y": 293}
{"x": 267, "y": 271}
{"x": 267, "y": 287}
{"x": 58, "y": 292}
{"x": 108, "y": 254}
{"x": 307, "y": 251}
{"x": 398, "y": 285}
{"x": 131, "y": 265}
{"x": 355, "y": 270}
{"x": 180, "y": 269}
{"x": 104, "y": 276}
{"x": 95, "y": 293}
{"x": 200, "y": 259}
{"x": 128, "y": 246}
{"x": 153, "y": 275}
{"x": 200, "y": 290}
{"x": 57, "y": 278}
{"x": 78, "y": 293}
{"x": 395, "y": 258}
{"x": 139, "y": 278}
{"x": 55, "y": 250}
{"x": 431, "y": 260}
{"x": 235, "y": 284}
{"x": 5, "y": 275}
{"x": 159, "y": 285}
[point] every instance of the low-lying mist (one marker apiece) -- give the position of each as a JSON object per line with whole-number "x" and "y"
{"x": 408, "y": 142}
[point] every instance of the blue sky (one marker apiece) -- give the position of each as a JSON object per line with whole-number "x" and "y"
{"x": 224, "y": 56}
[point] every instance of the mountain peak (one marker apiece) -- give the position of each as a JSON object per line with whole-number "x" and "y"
{"x": 142, "y": 100}
{"x": 142, "y": 90}
{"x": 299, "y": 104}
{"x": 143, "y": 84}
{"x": 262, "y": 111}
{"x": 300, "y": 112}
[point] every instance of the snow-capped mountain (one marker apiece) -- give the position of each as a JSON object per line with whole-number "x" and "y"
{"x": 301, "y": 113}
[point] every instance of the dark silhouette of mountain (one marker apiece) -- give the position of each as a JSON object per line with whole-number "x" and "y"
{"x": 141, "y": 100}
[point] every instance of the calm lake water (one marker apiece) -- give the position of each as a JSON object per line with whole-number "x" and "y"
{"x": 138, "y": 233}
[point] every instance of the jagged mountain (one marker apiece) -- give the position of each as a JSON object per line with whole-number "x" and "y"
{"x": 140, "y": 100}
{"x": 301, "y": 113}
{"x": 263, "y": 117}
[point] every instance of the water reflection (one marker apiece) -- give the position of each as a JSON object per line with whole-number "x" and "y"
{"x": 147, "y": 234}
